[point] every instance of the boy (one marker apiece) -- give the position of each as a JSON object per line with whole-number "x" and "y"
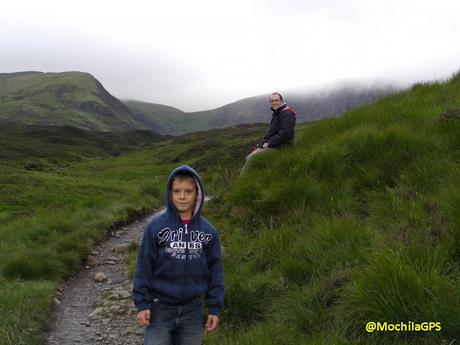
{"x": 179, "y": 263}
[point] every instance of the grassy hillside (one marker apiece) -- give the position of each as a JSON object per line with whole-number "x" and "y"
{"x": 71, "y": 98}
{"x": 358, "y": 223}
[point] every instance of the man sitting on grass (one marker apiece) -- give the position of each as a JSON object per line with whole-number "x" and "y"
{"x": 281, "y": 130}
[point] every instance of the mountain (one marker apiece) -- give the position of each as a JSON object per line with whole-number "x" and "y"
{"x": 70, "y": 98}
{"x": 308, "y": 106}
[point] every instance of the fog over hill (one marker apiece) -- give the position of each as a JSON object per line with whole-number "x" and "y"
{"x": 309, "y": 106}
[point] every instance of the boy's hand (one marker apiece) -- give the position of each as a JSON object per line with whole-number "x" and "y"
{"x": 212, "y": 323}
{"x": 143, "y": 317}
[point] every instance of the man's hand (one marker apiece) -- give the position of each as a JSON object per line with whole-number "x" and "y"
{"x": 212, "y": 323}
{"x": 265, "y": 146}
{"x": 143, "y": 317}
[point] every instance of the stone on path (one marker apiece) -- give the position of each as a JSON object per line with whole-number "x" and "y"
{"x": 91, "y": 260}
{"x": 97, "y": 313}
{"x": 100, "y": 277}
{"x": 121, "y": 248}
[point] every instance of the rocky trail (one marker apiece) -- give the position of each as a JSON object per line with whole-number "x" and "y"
{"x": 95, "y": 306}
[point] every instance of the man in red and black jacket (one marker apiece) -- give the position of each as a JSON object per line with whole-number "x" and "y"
{"x": 281, "y": 130}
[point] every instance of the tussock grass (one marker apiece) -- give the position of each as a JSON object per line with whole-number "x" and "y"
{"x": 414, "y": 284}
{"x": 24, "y": 310}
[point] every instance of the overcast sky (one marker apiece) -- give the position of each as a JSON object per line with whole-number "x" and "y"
{"x": 202, "y": 54}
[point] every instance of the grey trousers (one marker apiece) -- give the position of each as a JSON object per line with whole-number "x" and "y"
{"x": 250, "y": 156}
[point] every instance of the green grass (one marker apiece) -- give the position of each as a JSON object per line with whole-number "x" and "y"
{"x": 413, "y": 284}
{"x": 24, "y": 310}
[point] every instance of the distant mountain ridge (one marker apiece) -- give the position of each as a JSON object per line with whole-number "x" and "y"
{"x": 308, "y": 107}
{"x": 78, "y": 99}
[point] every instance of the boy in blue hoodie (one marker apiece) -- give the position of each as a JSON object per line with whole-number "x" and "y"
{"x": 179, "y": 266}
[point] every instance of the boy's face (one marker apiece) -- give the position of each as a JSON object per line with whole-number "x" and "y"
{"x": 184, "y": 195}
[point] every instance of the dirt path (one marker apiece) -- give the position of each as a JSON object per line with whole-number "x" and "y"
{"x": 91, "y": 312}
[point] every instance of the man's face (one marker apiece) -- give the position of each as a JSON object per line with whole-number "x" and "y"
{"x": 275, "y": 101}
{"x": 184, "y": 194}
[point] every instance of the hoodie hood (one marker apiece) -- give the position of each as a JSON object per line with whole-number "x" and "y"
{"x": 200, "y": 198}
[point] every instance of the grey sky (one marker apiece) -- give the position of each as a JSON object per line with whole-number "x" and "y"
{"x": 202, "y": 54}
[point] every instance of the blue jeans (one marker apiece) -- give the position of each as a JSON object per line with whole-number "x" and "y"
{"x": 175, "y": 325}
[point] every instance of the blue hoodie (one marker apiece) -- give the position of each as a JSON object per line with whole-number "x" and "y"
{"x": 179, "y": 262}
